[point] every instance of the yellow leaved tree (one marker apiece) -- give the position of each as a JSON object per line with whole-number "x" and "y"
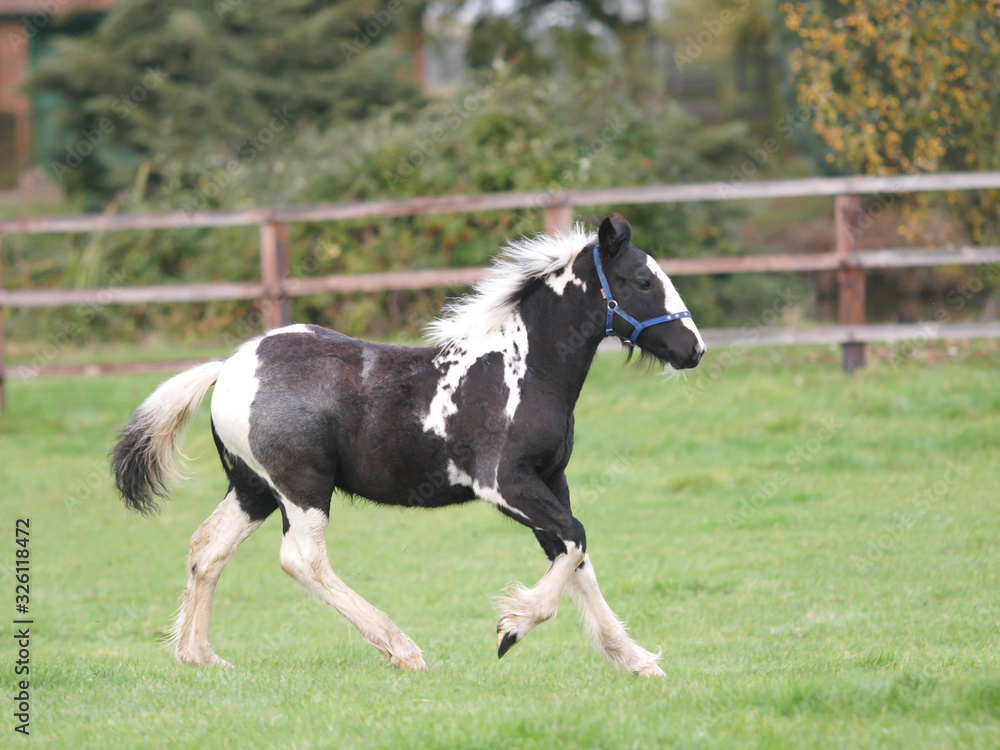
{"x": 903, "y": 87}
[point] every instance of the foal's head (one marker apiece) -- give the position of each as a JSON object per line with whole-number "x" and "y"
{"x": 642, "y": 291}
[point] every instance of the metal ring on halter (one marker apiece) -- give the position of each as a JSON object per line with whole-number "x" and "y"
{"x": 615, "y": 309}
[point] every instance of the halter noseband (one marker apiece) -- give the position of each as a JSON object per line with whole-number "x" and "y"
{"x": 615, "y": 309}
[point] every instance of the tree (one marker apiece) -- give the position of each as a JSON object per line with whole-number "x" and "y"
{"x": 904, "y": 86}
{"x": 172, "y": 83}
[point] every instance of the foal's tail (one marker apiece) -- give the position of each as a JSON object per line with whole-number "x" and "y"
{"x": 143, "y": 459}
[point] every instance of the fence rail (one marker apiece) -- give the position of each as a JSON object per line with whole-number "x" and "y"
{"x": 451, "y": 204}
{"x": 275, "y": 288}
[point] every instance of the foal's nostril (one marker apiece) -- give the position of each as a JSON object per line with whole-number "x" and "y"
{"x": 697, "y": 353}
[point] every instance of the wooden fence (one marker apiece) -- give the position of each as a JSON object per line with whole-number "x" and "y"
{"x": 275, "y": 288}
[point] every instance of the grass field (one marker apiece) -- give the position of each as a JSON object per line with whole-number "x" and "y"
{"x": 818, "y": 555}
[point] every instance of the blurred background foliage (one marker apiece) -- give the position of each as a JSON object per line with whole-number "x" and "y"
{"x": 188, "y": 82}
{"x": 238, "y": 103}
{"x": 903, "y": 87}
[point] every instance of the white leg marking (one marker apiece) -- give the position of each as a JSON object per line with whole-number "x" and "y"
{"x": 609, "y": 633}
{"x": 304, "y": 557}
{"x": 521, "y": 609}
{"x": 212, "y": 547}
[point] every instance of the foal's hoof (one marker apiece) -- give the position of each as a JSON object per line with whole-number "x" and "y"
{"x": 506, "y": 637}
{"x": 202, "y": 660}
{"x": 651, "y": 670}
{"x": 414, "y": 661}
{"x": 214, "y": 661}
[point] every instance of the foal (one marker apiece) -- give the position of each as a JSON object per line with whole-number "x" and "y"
{"x": 302, "y": 411}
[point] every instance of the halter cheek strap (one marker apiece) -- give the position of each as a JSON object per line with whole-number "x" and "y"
{"x": 615, "y": 309}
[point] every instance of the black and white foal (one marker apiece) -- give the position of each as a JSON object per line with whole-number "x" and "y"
{"x": 302, "y": 411}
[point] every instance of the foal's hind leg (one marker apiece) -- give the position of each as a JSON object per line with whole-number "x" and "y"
{"x": 608, "y": 631}
{"x": 212, "y": 547}
{"x": 304, "y": 557}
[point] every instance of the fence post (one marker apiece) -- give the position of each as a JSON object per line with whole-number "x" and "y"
{"x": 3, "y": 342}
{"x": 558, "y": 218}
{"x": 850, "y": 278}
{"x": 275, "y": 306}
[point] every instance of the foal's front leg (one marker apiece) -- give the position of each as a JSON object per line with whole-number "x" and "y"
{"x": 529, "y": 500}
{"x": 521, "y": 609}
{"x": 609, "y": 633}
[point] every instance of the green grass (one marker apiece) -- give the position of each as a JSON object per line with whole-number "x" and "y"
{"x": 848, "y": 609}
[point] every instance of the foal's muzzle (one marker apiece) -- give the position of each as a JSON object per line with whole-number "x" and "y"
{"x": 685, "y": 361}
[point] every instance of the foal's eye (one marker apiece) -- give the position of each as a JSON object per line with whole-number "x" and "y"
{"x": 642, "y": 284}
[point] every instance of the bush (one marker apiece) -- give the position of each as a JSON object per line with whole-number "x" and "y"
{"x": 499, "y": 133}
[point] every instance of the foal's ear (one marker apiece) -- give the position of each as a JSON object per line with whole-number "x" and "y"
{"x": 614, "y": 235}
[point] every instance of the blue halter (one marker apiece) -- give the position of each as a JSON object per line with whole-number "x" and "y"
{"x": 614, "y": 309}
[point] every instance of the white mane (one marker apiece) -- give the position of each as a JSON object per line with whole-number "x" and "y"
{"x": 493, "y": 298}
